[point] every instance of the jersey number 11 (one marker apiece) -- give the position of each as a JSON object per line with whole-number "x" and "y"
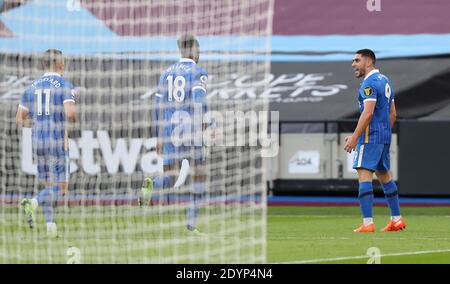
{"x": 38, "y": 93}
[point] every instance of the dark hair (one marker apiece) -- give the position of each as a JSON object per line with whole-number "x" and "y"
{"x": 367, "y": 53}
{"x": 50, "y": 57}
{"x": 187, "y": 42}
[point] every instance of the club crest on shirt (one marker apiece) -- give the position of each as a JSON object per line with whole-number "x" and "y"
{"x": 367, "y": 91}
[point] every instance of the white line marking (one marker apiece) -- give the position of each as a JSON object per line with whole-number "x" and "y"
{"x": 312, "y": 216}
{"x": 361, "y": 257}
{"x": 276, "y": 238}
{"x": 307, "y": 238}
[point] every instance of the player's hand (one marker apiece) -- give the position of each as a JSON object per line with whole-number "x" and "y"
{"x": 63, "y": 191}
{"x": 27, "y": 123}
{"x": 159, "y": 148}
{"x": 350, "y": 144}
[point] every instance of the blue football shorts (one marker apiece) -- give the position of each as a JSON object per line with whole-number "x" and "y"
{"x": 374, "y": 157}
{"x": 53, "y": 168}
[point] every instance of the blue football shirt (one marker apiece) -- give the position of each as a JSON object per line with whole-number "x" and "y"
{"x": 181, "y": 88}
{"x": 44, "y": 100}
{"x": 377, "y": 87}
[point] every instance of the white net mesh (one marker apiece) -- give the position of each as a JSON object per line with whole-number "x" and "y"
{"x": 115, "y": 52}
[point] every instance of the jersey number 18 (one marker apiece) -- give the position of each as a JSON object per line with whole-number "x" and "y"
{"x": 175, "y": 88}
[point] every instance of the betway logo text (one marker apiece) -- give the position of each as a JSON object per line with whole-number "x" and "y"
{"x": 84, "y": 153}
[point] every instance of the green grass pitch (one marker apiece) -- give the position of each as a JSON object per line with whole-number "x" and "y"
{"x": 324, "y": 235}
{"x": 293, "y": 235}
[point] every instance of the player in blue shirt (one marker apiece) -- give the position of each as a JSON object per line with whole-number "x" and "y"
{"x": 372, "y": 139}
{"x": 181, "y": 93}
{"x": 45, "y": 107}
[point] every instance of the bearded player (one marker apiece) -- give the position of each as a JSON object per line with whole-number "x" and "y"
{"x": 371, "y": 141}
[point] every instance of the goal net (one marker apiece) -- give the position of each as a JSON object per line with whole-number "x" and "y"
{"x": 114, "y": 53}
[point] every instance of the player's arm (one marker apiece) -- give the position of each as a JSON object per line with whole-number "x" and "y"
{"x": 69, "y": 103}
{"x": 22, "y": 115}
{"x": 70, "y": 111}
{"x": 198, "y": 90}
{"x": 71, "y": 114}
{"x": 393, "y": 114}
{"x": 364, "y": 121}
{"x": 22, "y": 118}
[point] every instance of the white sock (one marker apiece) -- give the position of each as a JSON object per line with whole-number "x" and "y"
{"x": 34, "y": 203}
{"x": 396, "y": 218}
{"x": 367, "y": 221}
{"x": 184, "y": 172}
{"x": 51, "y": 228}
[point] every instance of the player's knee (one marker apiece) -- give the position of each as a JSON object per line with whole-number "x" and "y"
{"x": 169, "y": 167}
{"x": 199, "y": 178}
{"x": 162, "y": 181}
{"x": 46, "y": 196}
{"x": 364, "y": 175}
{"x": 384, "y": 177}
{"x": 170, "y": 170}
{"x": 63, "y": 185}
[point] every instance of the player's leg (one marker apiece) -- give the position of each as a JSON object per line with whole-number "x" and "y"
{"x": 54, "y": 187}
{"x": 162, "y": 180}
{"x": 365, "y": 162}
{"x": 159, "y": 182}
{"x": 47, "y": 199}
{"x": 390, "y": 191}
{"x": 196, "y": 195}
{"x": 30, "y": 205}
{"x": 365, "y": 196}
{"x": 178, "y": 171}
{"x": 396, "y": 223}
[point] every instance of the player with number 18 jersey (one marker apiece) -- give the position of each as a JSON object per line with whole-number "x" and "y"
{"x": 180, "y": 87}
{"x": 179, "y": 105}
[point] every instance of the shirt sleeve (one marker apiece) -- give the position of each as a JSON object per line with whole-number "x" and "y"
{"x": 368, "y": 92}
{"x": 199, "y": 89}
{"x": 25, "y": 100}
{"x": 69, "y": 93}
{"x": 392, "y": 93}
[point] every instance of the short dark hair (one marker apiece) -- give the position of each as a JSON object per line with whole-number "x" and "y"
{"x": 367, "y": 53}
{"x": 50, "y": 57}
{"x": 187, "y": 42}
